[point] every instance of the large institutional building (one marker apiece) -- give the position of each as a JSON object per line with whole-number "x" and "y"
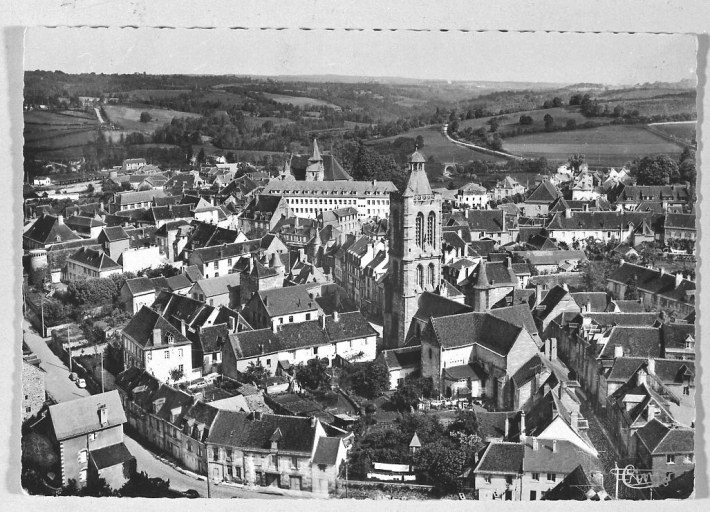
{"x": 415, "y": 251}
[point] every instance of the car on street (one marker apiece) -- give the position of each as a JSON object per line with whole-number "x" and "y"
{"x": 81, "y": 383}
{"x": 191, "y": 493}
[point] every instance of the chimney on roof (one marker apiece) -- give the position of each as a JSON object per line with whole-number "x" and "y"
{"x": 565, "y": 287}
{"x": 322, "y": 322}
{"x": 313, "y": 421}
{"x": 60, "y": 219}
{"x": 522, "y": 426}
{"x": 652, "y": 410}
{"x": 256, "y": 415}
{"x": 183, "y": 327}
{"x": 103, "y": 415}
{"x": 588, "y": 307}
{"x": 274, "y": 328}
{"x": 506, "y": 428}
{"x": 574, "y": 420}
{"x": 157, "y": 337}
{"x": 641, "y": 377}
{"x": 295, "y": 222}
{"x": 568, "y": 213}
{"x": 232, "y": 322}
{"x": 618, "y": 351}
{"x": 336, "y": 316}
{"x": 554, "y": 446}
{"x": 651, "y": 366}
{"x": 538, "y": 294}
{"x": 535, "y": 444}
{"x": 509, "y": 262}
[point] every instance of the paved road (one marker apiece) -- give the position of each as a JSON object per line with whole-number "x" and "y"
{"x": 62, "y": 389}
{"x": 57, "y": 378}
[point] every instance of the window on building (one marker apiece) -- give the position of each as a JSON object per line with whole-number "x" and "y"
{"x": 315, "y": 351}
{"x": 551, "y": 477}
{"x": 508, "y": 479}
{"x": 82, "y": 475}
{"x": 215, "y": 453}
{"x": 181, "y": 368}
{"x": 431, "y": 229}
{"x": 150, "y": 356}
{"x": 308, "y": 316}
{"x": 686, "y": 390}
{"x": 268, "y": 362}
{"x": 419, "y": 230}
{"x": 487, "y": 478}
{"x": 670, "y": 459}
{"x": 229, "y": 453}
{"x": 294, "y": 462}
{"x": 290, "y": 319}
{"x": 238, "y": 472}
{"x": 83, "y": 456}
{"x": 180, "y": 353}
{"x": 533, "y": 495}
{"x": 167, "y": 354}
{"x": 420, "y": 276}
{"x": 432, "y": 274}
{"x": 536, "y": 476}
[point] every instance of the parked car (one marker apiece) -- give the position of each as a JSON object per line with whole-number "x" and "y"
{"x": 191, "y": 493}
{"x": 81, "y": 383}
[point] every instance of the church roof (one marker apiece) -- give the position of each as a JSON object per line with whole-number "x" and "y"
{"x": 417, "y": 158}
{"x": 417, "y": 184}
{"x": 316, "y": 153}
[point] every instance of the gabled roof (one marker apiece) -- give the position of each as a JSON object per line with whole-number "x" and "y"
{"x": 110, "y": 456}
{"x": 417, "y": 183}
{"x": 433, "y": 305}
{"x": 251, "y": 433}
{"x": 502, "y": 457}
{"x": 218, "y": 285}
{"x": 141, "y": 328}
{"x": 47, "y": 229}
{"x": 476, "y": 328}
{"x": 406, "y": 357}
{"x": 327, "y": 451}
{"x": 94, "y": 259}
{"x": 636, "y": 342}
{"x": 490, "y": 221}
{"x": 81, "y": 416}
{"x": 600, "y": 221}
{"x": 288, "y": 300}
{"x": 664, "y": 439}
{"x": 140, "y": 285}
{"x": 564, "y": 459}
{"x": 544, "y": 193}
{"x": 113, "y": 234}
{"x": 679, "y": 221}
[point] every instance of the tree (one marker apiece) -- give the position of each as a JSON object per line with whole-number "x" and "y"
{"x": 92, "y": 292}
{"x": 525, "y": 120}
{"x": 201, "y": 156}
{"x": 367, "y": 379}
{"x": 686, "y": 166}
{"x": 575, "y": 161}
{"x": 655, "y": 170}
{"x": 556, "y": 101}
{"x": 146, "y": 117}
{"x": 256, "y": 373}
{"x": 549, "y": 122}
{"x": 571, "y": 124}
{"x": 313, "y": 374}
{"x": 575, "y": 99}
{"x": 420, "y": 141}
{"x": 176, "y": 374}
{"x": 632, "y": 292}
{"x": 427, "y": 427}
{"x": 594, "y": 276}
{"x": 407, "y": 395}
{"x": 494, "y": 124}
{"x": 140, "y": 485}
{"x": 443, "y": 461}
{"x": 466, "y": 422}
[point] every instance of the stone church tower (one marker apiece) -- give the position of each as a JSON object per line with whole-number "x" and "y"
{"x": 414, "y": 251}
{"x": 315, "y": 170}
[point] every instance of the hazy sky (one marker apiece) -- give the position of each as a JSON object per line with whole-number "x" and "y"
{"x": 496, "y": 56}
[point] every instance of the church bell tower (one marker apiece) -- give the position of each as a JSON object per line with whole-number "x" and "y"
{"x": 414, "y": 251}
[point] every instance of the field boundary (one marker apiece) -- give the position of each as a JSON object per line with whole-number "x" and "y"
{"x": 492, "y": 152}
{"x": 667, "y": 136}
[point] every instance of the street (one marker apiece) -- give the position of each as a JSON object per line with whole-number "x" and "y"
{"x": 61, "y": 389}
{"x": 57, "y": 382}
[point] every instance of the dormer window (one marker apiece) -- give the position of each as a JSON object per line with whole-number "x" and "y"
{"x": 170, "y": 338}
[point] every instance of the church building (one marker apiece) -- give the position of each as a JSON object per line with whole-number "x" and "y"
{"x": 414, "y": 251}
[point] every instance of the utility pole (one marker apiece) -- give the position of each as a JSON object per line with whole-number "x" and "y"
{"x": 102, "y": 372}
{"x": 69, "y": 346}
{"x": 42, "y": 307}
{"x": 616, "y": 487}
{"x": 209, "y": 494}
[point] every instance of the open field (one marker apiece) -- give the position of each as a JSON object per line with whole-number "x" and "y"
{"x": 253, "y": 122}
{"x": 509, "y": 122}
{"x": 436, "y": 145}
{"x": 608, "y": 145}
{"x": 682, "y": 131}
{"x": 298, "y": 101}
{"x": 128, "y": 118}
{"x": 668, "y": 106}
{"x": 146, "y": 94}
{"x": 66, "y": 118}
